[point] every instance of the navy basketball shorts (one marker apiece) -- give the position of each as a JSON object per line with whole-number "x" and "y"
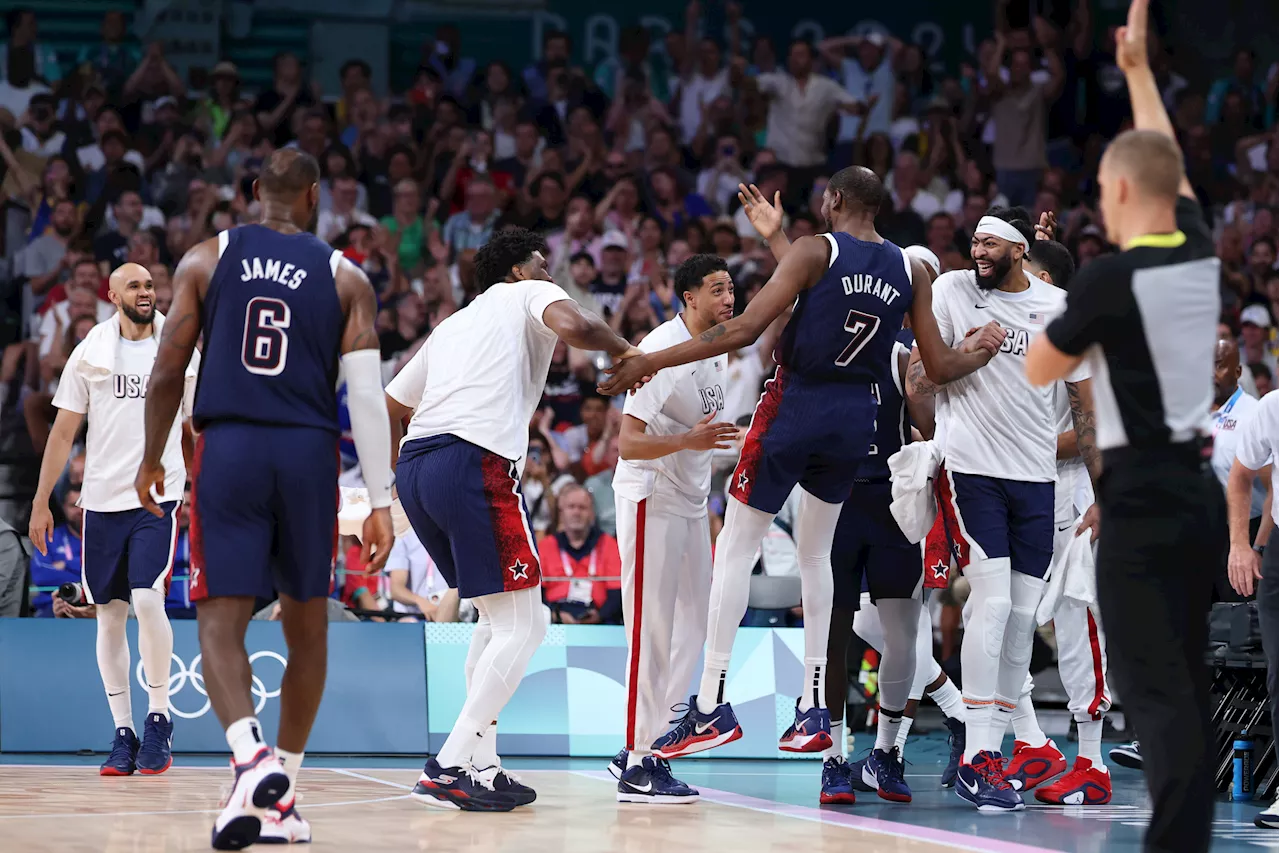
{"x": 465, "y": 504}
{"x": 997, "y": 518}
{"x": 812, "y": 434}
{"x": 129, "y": 549}
{"x": 869, "y": 551}
{"x": 264, "y": 511}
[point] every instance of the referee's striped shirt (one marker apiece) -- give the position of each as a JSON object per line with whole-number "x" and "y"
{"x": 1146, "y": 320}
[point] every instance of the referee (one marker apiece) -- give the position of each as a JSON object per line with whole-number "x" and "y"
{"x": 1146, "y": 321}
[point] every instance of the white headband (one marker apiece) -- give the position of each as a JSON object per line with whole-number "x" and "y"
{"x": 999, "y": 228}
{"x": 926, "y": 257}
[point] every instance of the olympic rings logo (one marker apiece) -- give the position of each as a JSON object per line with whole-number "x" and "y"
{"x": 181, "y": 674}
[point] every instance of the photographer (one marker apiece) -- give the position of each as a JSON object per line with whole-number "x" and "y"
{"x": 61, "y": 564}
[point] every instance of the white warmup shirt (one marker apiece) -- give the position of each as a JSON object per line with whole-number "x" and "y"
{"x": 1260, "y": 445}
{"x": 409, "y": 555}
{"x": 481, "y": 372}
{"x": 1229, "y": 421}
{"x": 116, "y": 407}
{"x": 997, "y": 423}
{"x": 670, "y": 404}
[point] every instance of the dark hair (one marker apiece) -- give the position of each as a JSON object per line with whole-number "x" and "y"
{"x": 355, "y": 63}
{"x": 551, "y": 35}
{"x": 1260, "y": 369}
{"x": 769, "y": 171}
{"x": 582, "y": 256}
{"x": 1019, "y": 218}
{"x": 13, "y": 19}
{"x": 689, "y": 275}
{"x": 116, "y": 135}
{"x": 536, "y": 190}
{"x": 288, "y": 173}
{"x": 1055, "y": 259}
{"x": 813, "y": 51}
{"x": 859, "y": 185}
{"x": 1269, "y": 240}
{"x": 508, "y": 248}
{"x": 90, "y": 261}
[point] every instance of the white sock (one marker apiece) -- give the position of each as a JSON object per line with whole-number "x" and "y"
{"x": 155, "y": 646}
{"x": 743, "y": 529}
{"x": 636, "y": 757}
{"x": 486, "y": 754}
{"x": 977, "y": 725}
{"x": 837, "y": 741}
{"x": 1026, "y": 727}
{"x": 292, "y": 763}
{"x": 244, "y": 736}
{"x": 887, "y": 729}
{"x": 948, "y": 699}
{"x": 113, "y": 661}
{"x": 518, "y": 623}
{"x": 815, "y": 528}
{"x": 903, "y": 731}
{"x": 1090, "y": 732}
{"x": 999, "y": 725}
{"x": 814, "y": 694}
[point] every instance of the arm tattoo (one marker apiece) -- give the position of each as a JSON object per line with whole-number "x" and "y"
{"x": 918, "y": 381}
{"x": 1086, "y": 425}
{"x": 710, "y": 335}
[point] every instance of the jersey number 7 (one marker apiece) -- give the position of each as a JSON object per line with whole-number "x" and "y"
{"x": 863, "y": 327}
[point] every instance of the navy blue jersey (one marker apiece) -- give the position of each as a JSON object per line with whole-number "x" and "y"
{"x": 273, "y": 328}
{"x": 843, "y": 328}
{"x": 893, "y": 426}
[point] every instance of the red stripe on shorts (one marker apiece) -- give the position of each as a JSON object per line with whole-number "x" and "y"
{"x": 637, "y": 610}
{"x": 1099, "y": 677}
{"x": 744, "y": 475}
{"x": 947, "y": 509}
{"x": 516, "y": 559}
{"x": 196, "y": 582}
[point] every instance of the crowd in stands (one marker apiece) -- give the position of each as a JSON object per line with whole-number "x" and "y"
{"x": 627, "y": 168}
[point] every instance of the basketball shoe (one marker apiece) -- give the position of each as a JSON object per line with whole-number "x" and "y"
{"x": 811, "y": 732}
{"x": 955, "y": 737}
{"x": 697, "y": 732}
{"x": 1268, "y": 818}
{"x": 1085, "y": 785}
{"x": 458, "y": 788}
{"x": 1032, "y": 765}
{"x": 124, "y": 753}
{"x": 619, "y": 764}
{"x": 837, "y": 783}
{"x": 506, "y": 782}
{"x": 259, "y": 784}
{"x": 1127, "y": 755}
{"x": 651, "y": 781}
{"x": 156, "y": 753}
{"x": 855, "y": 776}
{"x": 885, "y": 771}
{"x": 283, "y": 825}
{"x": 982, "y": 783}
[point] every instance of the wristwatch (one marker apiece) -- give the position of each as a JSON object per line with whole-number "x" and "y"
{"x": 1259, "y": 548}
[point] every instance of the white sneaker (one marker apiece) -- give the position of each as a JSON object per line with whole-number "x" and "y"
{"x": 259, "y": 784}
{"x": 284, "y": 826}
{"x": 1268, "y": 818}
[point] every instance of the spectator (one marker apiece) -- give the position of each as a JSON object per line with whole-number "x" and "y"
{"x": 410, "y": 324}
{"x": 587, "y": 445}
{"x": 111, "y": 248}
{"x": 217, "y": 110}
{"x": 114, "y": 148}
{"x": 162, "y": 280}
{"x": 578, "y": 237}
{"x": 868, "y": 76}
{"x": 416, "y": 586}
{"x": 192, "y": 225}
{"x": 619, "y": 211}
{"x": 1019, "y": 111}
{"x": 22, "y": 47}
{"x": 702, "y": 76}
{"x": 356, "y": 76}
{"x": 20, "y": 83}
{"x": 43, "y": 261}
{"x": 555, "y": 57}
{"x": 472, "y": 161}
{"x": 471, "y": 228}
{"x": 81, "y": 300}
{"x": 177, "y": 603}
{"x": 41, "y": 135}
{"x": 611, "y": 283}
{"x": 544, "y": 209}
{"x": 1241, "y": 81}
{"x": 528, "y": 147}
{"x": 1263, "y": 379}
{"x": 442, "y": 56}
{"x": 1256, "y": 346}
{"x": 343, "y": 210}
{"x": 671, "y": 205}
{"x": 718, "y": 184}
{"x": 61, "y": 563}
{"x": 154, "y": 78}
{"x": 112, "y": 60}
{"x": 573, "y": 558}
{"x": 407, "y": 225}
{"x": 289, "y": 92}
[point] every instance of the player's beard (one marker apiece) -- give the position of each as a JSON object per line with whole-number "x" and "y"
{"x": 137, "y": 316}
{"x": 999, "y": 270}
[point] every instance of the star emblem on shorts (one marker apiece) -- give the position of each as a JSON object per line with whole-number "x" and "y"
{"x": 519, "y": 570}
{"x": 195, "y": 575}
{"x": 743, "y": 479}
{"x": 939, "y": 570}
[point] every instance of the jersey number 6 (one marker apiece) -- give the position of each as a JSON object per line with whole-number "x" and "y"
{"x": 266, "y": 345}
{"x": 863, "y": 327}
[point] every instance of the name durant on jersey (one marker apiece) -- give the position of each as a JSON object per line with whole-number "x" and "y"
{"x": 862, "y": 283}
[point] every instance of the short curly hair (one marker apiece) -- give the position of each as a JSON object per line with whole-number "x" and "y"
{"x": 507, "y": 248}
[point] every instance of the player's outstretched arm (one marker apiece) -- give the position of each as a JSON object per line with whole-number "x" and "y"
{"x": 182, "y": 329}
{"x": 56, "y": 450}
{"x": 1085, "y": 423}
{"x": 799, "y": 269}
{"x": 933, "y": 363}
{"x": 582, "y": 329}
{"x": 635, "y": 443}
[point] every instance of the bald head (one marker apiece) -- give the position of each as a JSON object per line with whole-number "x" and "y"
{"x": 1226, "y": 370}
{"x": 133, "y": 293}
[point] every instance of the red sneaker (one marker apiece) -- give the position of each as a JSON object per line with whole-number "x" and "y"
{"x": 1085, "y": 785}
{"x": 1031, "y": 765}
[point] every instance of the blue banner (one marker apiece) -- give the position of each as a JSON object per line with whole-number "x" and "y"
{"x": 51, "y": 698}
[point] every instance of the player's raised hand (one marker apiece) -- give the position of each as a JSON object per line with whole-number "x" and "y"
{"x": 708, "y": 436}
{"x": 988, "y": 339}
{"x": 629, "y": 372}
{"x": 1131, "y": 39}
{"x": 1047, "y": 226}
{"x": 766, "y": 218}
{"x": 376, "y": 538}
{"x": 41, "y": 527}
{"x": 150, "y": 476}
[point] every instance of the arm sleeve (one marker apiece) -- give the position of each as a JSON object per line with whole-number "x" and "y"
{"x": 370, "y": 426}
{"x": 1253, "y": 449}
{"x": 538, "y": 295}
{"x": 1094, "y": 298}
{"x": 73, "y": 390}
{"x": 407, "y": 386}
{"x": 189, "y": 386}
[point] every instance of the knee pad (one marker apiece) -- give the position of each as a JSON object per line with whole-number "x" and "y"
{"x": 1021, "y": 627}
{"x": 993, "y": 616}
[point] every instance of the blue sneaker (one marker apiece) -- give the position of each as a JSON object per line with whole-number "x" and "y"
{"x": 156, "y": 753}
{"x": 855, "y": 776}
{"x": 982, "y": 783}
{"x": 837, "y": 786}
{"x": 956, "y": 738}
{"x": 811, "y": 732}
{"x": 508, "y": 783}
{"x": 651, "y": 781}
{"x": 458, "y": 788}
{"x": 619, "y": 764}
{"x": 697, "y": 732}
{"x": 124, "y": 753}
{"x": 884, "y": 770}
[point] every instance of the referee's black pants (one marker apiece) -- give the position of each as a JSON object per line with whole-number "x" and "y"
{"x": 1163, "y": 532}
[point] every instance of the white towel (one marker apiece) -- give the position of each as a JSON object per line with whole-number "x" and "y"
{"x": 354, "y": 508}
{"x": 913, "y": 469}
{"x": 1073, "y": 574}
{"x": 100, "y": 345}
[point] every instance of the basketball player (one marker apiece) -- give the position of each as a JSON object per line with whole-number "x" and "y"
{"x": 814, "y": 424}
{"x": 128, "y": 553}
{"x": 999, "y": 446}
{"x": 280, "y": 311}
{"x": 660, "y": 487}
{"x": 472, "y": 390}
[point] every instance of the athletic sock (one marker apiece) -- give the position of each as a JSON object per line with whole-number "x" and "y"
{"x": 1026, "y": 727}
{"x": 486, "y": 754}
{"x": 837, "y": 741}
{"x": 903, "y": 731}
{"x": 460, "y": 746}
{"x": 977, "y": 723}
{"x": 711, "y": 689}
{"x": 887, "y": 729}
{"x": 814, "y": 695}
{"x": 292, "y": 763}
{"x": 1090, "y": 733}
{"x": 635, "y": 757}
{"x": 948, "y": 699}
{"x": 244, "y": 736}
{"x": 999, "y": 725}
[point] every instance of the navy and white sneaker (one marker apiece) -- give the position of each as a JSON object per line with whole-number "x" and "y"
{"x": 955, "y": 730}
{"x": 283, "y": 825}
{"x": 156, "y": 753}
{"x": 618, "y": 765}
{"x": 458, "y": 788}
{"x": 855, "y": 776}
{"x": 837, "y": 785}
{"x": 505, "y": 782}
{"x": 982, "y": 783}
{"x": 124, "y": 754}
{"x": 811, "y": 731}
{"x": 885, "y": 771}
{"x": 697, "y": 732}
{"x": 1127, "y": 755}
{"x": 259, "y": 785}
{"x": 651, "y": 781}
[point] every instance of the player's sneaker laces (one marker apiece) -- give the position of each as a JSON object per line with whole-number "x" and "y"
{"x": 618, "y": 765}
{"x": 283, "y": 825}
{"x": 259, "y": 784}
{"x": 855, "y": 775}
{"x": 651, "y": 781}
{"x": 955, "y": 736}
{"x": 505, "y": 782}
{"x": 696, "y": 731}
{"x": 1268, "y": 817}
{"x": 458, "y": 788}
{"x": 885, "y": 771}
{"x": 1032, "y": 765}
{"x": 156, "y": 753}
{"x": 1126, "y": 755}
{"x": 811, "y": 731}
{"x": 837, "y": 783}
{"x": 124, "y": 753}
{"x": 1085, "y": 785}
{"x": 982, "y": 783}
